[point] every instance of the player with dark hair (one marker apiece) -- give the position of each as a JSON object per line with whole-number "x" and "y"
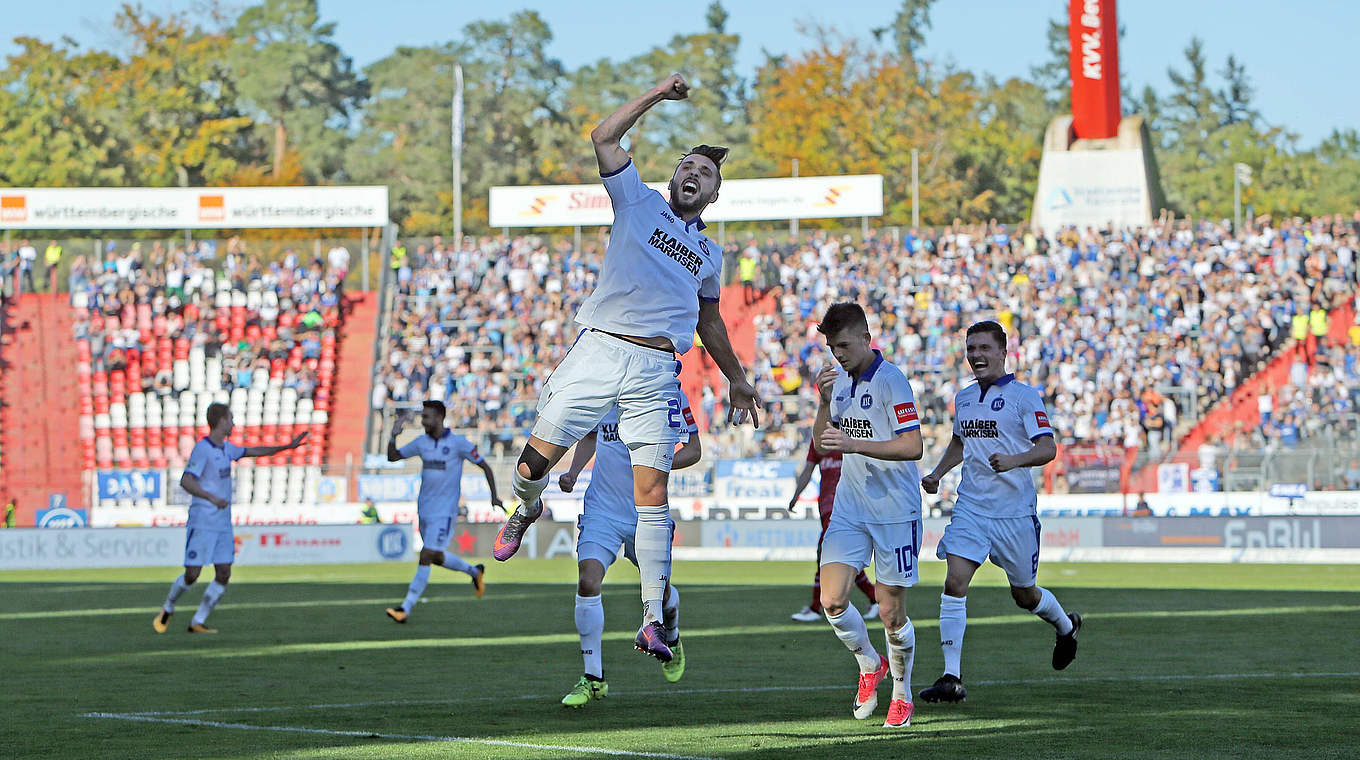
{"x": 868, "y": 414}
{"x": 209, "y": 538}
{"x": 1000, "y": 431}
{"x": 442, "y": 454}
{"x": 658, "y": 286}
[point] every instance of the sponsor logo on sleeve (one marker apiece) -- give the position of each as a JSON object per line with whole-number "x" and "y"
{"x": 689, "y": 416}
{"x": 906, "y": 412}
{"x": 1041, "y": 419}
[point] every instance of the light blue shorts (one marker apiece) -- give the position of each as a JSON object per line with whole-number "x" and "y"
{"x": 209, "y": 547}
{"x": 435, "y": 531}
{"x": 1011, "y": 543}
{"x": 893, "y": 548}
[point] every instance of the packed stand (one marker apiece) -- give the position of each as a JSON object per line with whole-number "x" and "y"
{"x": 480, "y": 328}
{"x": 162, "y": 334}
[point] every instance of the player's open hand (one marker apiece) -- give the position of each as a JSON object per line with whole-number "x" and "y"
{"x": 741, "y": 400}
{"x": 834, "y": 440}
{"x": 566, "y": 482}
{"x": 298, "y": 439}
{"x": 825, "y": 380}
{"x": 674, "y": 88}
{"x": 1000, "y": 463}
{"x": 931, "y": 483}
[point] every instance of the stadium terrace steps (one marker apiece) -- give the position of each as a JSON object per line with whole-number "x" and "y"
{"x": 697, "y": 370}
{"x": 1240, "y": 405}
{"x": 41, "y": 425}
{"x": 353, "y": 379}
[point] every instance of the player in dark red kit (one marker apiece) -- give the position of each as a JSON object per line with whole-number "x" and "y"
{"x": 830, "y": 466}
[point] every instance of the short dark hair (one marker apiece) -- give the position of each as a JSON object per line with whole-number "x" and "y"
{"x": 715, "y": 153}
{"x": 438, "y": 406}
{"x": 216, "y": 411}
{"x": 990, "y": 327}
{"x": 843, "y": 316}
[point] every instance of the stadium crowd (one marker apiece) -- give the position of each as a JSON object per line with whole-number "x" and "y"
{"x": 1123, "y": 331}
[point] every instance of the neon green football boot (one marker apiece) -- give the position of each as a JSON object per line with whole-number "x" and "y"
{"x": 675, "y": 669}
{"x": 585, "y": 691}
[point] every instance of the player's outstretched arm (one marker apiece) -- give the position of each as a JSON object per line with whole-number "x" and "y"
{"x": 953, "y": 455}
{"x": 607, "y": 135}
{"x": 265, "y": 451}
{"x": 580, "y": 457}
{"x": 741, "y": 395}
{"x": 490, "y": 482}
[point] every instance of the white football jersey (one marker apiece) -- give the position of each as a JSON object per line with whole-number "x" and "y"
{"x": 441, "y": 471}
{"x": 1005, "y": 417}
{"x": 611, "y": 478}
{"x": 655, "y": 266}
{"x": 211, "y": 464}
{"x": 879, "y": 406}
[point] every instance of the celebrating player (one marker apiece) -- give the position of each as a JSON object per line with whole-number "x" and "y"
{"x": 830, "y": 466}
{"x": 1000, "y": 431}
{"x": 608, "y": 521}
{"x": 868, "y": 414}
{"x": 441, "y": 455}
{"x": 658, "y": 284}
{"x": 207, "y": 478}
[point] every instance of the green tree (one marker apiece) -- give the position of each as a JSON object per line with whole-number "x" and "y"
{"x": 52, "y": 133}
{"x": 297, "y": 83}
{"x": 1054, "y": 75}
{"x": 908, "y": 31}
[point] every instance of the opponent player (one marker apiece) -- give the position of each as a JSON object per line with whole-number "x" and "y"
{"x": 207, "y": 478}
{"x": 441, "y": 476}
{"x": 830, "y": 466}
{"x": 1000, "y": 431}
{"x": 658, "y": 284}
{"x": 868, "y": 414}
{"x": 607, "y": 521}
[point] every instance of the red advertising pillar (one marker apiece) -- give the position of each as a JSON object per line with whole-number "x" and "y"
{"x": 1094, "y": 55}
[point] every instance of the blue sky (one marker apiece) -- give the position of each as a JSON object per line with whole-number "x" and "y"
{"x": 1298, "y": 55}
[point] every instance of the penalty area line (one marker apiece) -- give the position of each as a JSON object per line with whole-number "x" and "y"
{"x": 398, "y": 737}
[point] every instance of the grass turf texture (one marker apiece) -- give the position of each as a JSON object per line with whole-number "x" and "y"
{"x": 1175, "y": 661}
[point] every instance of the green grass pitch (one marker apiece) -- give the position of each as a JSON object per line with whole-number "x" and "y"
{"x": 1176, "y": 661}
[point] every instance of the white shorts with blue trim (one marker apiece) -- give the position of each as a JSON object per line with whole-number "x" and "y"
{"x": 893, "y": 548}
{"x": 209, "y": 547}
{"x": 602, "y": 371}
{"x": 1011, "y": 543}
{"x": 435, "y": 531}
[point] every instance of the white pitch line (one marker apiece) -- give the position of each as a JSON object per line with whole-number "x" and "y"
{"x": 746, "y": 690}
{"x": 400, "y": 737}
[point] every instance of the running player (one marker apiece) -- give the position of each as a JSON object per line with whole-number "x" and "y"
{"x": 1000, "y": 431}
{"x": 830, "y": 466}
{"x": 607, "y": 521}
{"x": 209, "y": 538}
{"x": 659, "y": 285}
{"x": 868, "y": 414}
{"x": 441, "y": 476}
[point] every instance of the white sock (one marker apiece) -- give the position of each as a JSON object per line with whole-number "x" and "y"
{"x": 1049, "y": 609}
{"x": 590, "y": 625}
{"x": 416, "y": 588}
{"x": 454, "y": 562}
{"x": 177, "y": 590}
{"x": 527, "y": 491}
{"x": 652, "y": 542}
{"x": 210, "y": 599}
{"x": 670, "y": 616}
{"x": 901, "y": 656}
{"x": 850, "y": 629}
{"x": 953, "y": 621}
